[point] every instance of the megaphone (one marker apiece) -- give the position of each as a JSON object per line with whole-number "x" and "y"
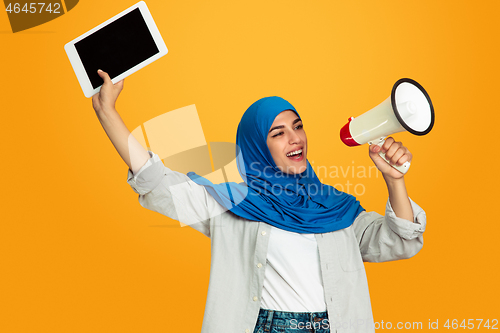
{"x": 409, "y": 108}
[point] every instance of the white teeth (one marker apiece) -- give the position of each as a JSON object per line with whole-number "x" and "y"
{"x": 294, "y": 152}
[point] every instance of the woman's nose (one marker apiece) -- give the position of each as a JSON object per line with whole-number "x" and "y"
{"x": 294, "y": 138}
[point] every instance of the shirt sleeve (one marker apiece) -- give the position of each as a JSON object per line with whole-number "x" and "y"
{"x": 174, "y": 194}
{"x": 386, "y": 238}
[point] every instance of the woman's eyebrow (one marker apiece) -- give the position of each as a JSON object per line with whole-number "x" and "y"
{"x": 281, "y": 126}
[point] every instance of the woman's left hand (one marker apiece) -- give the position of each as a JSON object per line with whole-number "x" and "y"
{"x": 395, "y": 153}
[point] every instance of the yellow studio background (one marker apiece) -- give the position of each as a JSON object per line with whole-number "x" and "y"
{"x": 78, "y": 252}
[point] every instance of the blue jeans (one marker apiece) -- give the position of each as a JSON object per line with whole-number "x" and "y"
{"x": 272, "y": 321}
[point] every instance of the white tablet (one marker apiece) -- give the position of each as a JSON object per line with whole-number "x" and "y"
{"x": 120, "y": 46}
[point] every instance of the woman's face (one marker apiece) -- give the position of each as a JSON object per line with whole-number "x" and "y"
{"x": 286, "y": 137}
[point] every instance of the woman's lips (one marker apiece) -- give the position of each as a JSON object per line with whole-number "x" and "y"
{"x": 297, "y": 158}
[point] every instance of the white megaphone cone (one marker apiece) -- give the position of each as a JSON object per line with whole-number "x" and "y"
{"x": 409, "y": 108}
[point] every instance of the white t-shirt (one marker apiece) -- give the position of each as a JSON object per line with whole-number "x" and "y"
{"x": 292, "y": 279}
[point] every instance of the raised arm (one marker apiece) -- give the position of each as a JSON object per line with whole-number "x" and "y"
{"x": 397, "y": 154}
{"x": 130, "y": 150}
{"x": 160, "y": 189}
{"x": 398, "y": 234}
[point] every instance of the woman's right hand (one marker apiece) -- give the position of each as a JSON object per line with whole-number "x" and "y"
{"x": 105, "y": 99}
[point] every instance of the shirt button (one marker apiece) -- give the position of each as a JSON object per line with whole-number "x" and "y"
{"x": 259, "y": 265}
{"x": 247, "y": 330}
{"x": 263, "y": 233}
{"x": 255, "y": 298}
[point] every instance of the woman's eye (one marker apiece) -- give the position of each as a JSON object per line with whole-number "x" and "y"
{"x": 280, "y": 133}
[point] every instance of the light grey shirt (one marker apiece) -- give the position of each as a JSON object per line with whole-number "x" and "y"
{"x": 239, "y": 249}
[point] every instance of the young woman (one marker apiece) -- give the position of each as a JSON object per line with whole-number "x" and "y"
{"x": 287, "y": 251}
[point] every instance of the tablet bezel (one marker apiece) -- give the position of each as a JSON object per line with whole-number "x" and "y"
{"x": 77, "y": 64}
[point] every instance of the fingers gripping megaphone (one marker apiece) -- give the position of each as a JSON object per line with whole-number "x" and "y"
{"x": 409, "y": 108}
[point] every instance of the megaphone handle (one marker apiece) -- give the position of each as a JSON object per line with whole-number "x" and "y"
{"x": 403, "y": 168}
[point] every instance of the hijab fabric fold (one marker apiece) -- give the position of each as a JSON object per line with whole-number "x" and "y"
{"x": 293, "y": 202}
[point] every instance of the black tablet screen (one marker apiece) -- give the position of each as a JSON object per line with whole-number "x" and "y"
{"x": 117, "y": 47}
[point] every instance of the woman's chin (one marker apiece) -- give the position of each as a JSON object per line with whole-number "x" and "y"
{"x": 302, "y": 169}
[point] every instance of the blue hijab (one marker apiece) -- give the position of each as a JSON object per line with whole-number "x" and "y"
{"x": 294, "y": 202}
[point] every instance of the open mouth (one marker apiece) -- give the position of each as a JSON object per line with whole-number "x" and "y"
{"x": 295, "y": 155}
